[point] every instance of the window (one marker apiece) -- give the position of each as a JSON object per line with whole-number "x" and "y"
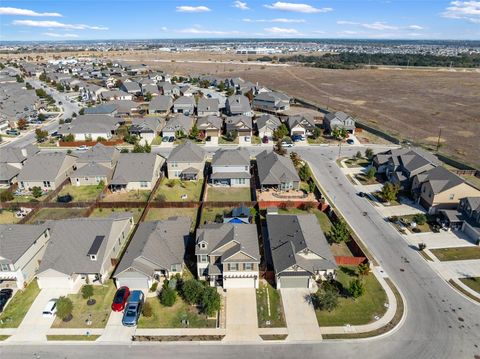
{"x": 248, "y": 266}
{"x": 46, "y": 183}
{"x": 5, "y": 268}
{"x": 143, "y": 184}
{"x": 452, "y": 196}
{"x": 241, "y": 181}
{"x": 203, "y": 259}
{"x": 174, "y": 164}
{"x": 233, "y": 266}
{"x": 174, "y": 267}
{"x": 203, "y": 245}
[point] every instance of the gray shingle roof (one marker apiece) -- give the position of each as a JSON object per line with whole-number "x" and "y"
{"x": 231, "y": 157}
{"x": 44, "y": 166}
{"x": 7, "y": 172}
{"x": 16, "y": 155}
{"x": 86, "y": 124}
{"x": 98, "y": 153}
{"x": 238, "y": 104}
{"x": 301, "y": 120}
{"x": 16, "y": 239}
{"x": 289, "y": 235}
{"x": 92, "y": 169}
{"x": 135, "y": 167}
{"x": 236, "y": 122}
{"x": 160, "y": 103}
{"x": 187, "y": 152}
{"x": 179, "y": 122}
{"x": 269, "y": 122}
{"x": 160, "y": 244}
{"x": 274, "y": 169}
{"x": 210, "y": 121}
{"x": 207, "y": 104}
{"x": 442, "y": 179}
{"x": 104, "y": 109}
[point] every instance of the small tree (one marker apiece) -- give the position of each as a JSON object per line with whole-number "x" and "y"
{"x": 22, "y": 124}
{"x": 148, "y": 97}
{"x": 40, "y": 135}
{"x": 64, "y": 308}
{"x": 168, "y": 296}
{"x": 339, "y": 133}
{"x": 356, "y": 288}
{"x": 279, "y": 148}
{"x": 280, "y": 132}
{"x": 369, "y": 153}
{"x": 326, "y": 299}
{"x": 339, "y": 232}
{"x": 68, "y": 138}
{"x": 87, "y": 293}
{"x": 101, "y": 139}
{"x": 389, "y": 191}
{"x": 358, "y": 155}
{"x": 420, "y": 218}
{"x": 363, "y": 269}
{"x": 192, "y": 291}
{"x": 370, "y": 174}
{"x": 304, "y": 173}
{"x": 194, "y": 132}
{"x": 295, "y": 157}
{"x": 210, "y": 301}
{"x": 317, "y": 132}
{"x": 37, "y": 192}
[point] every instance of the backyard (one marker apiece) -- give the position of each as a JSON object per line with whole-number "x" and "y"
{"x": 171, "y": 317}
{"x": 80, "y": 193}
{"x": 19, "y": 305}
{"x": 472, "y": 283}
{"x": 127, "y": 196}
{"x": 98, "y": 313}
{"x": 8, "y": 217}
{"x": 270, "y": 315}
{"x": 210, "y": 213}
{"x": 107, "y": 212}
{"x": 456, "y": 253}
{"x": 158, "y": 214}
{"x": 228, "y": 194}
{"x": 355, "y": 311}
{"x": 173, "y": 190}
{"x": 44, "y": 214}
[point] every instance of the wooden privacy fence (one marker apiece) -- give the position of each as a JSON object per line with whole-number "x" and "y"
{"x": 90, "y": 143}
{"x": 350, "y": 261}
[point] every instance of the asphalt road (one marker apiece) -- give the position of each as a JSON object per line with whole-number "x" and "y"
{"x": 440, "y": 323}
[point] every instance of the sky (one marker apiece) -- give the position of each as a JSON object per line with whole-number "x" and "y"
{"x": 170, "y": 19}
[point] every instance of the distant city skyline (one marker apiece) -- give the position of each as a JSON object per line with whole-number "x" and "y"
{"x": 147, "y": 19}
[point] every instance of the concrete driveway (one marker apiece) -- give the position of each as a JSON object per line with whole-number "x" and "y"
{"x": 115, "y": 331}
{"x": 302, "y": 323}
{"x": 242, "y": 324}
{"x": 34, "y": 326}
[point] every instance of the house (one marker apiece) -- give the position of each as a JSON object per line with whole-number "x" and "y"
{"x": 210, "y": 128}
{"x": 186, "y": 162}
{"x": 95, "y": 165}
{"x": 112, "y": 95}
{"x": 126, "y": 107}
{"x": 238, "y": 105}
{"x": 439, "y": 188}
{"x": 231, "y": 167}
{"x": 146, "y": 128}
{"x": 83, "y": 250}
{"x": 151, "y": 89}
{"x": 300, "y": 125}
{"x": 131, "y": 87}
{"x": 271, "y": 101}
{"x": 228, "y": 255}
{"x": 21, "y": 249}
{"x": 168, "y": 89}
{"x": 157, "y": 250}
{"x": 278, "y": 172}
{"x": 136, "y": 171}
{"x": 12, "y": 160}
{"x": 160, "y": 105}
{"x": 91, "y": 127}
{"x": 242, "y": 125}
{"x": 266, "y": 125}
{"x": 103, "y": 109}
{"x": 208, "y": 107}
{"x": 46, "y": 170}
{"x": 470, "y": 209}
{"x": 177, "y": 123}
{"x": 338, "y": 120}
{"x": 185, "y": 105}
{"x": 299, "y": 251}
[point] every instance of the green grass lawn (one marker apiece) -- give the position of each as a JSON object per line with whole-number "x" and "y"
{"x": 364, "y": 180}
{"x": 420, "y": 228}
{"x": 106, "y": 212}
{"x": 157, "y": 141}
{"x": 276, "y": 317}
{"x": 8, "y": 217}
{"x": 222, "y": 140}
{"x": 80, "y": 193}
{"x": 88, "y": 338}
{"x": 192, "y": 189}
{"x": 456, "y": 253}
{"x": 316, "y": 141}
{"x": 4, "y": 337}
{"x": 171, "y": 317}
{"x": 352, "y": 163}
{"x": 228, "y": 194}
{"x": 29, "y": 198}
{"x": 359, "y": 311}
{"x": 158, "y": 214}
{"x": 100, "y": 311}
{"x": 44, "y": 214}
{"x": 19, "y": 305}
{"x": 210, "y": 213}
{"x": 473, "y": 283}
{"x": 380, "y": 199}
{"x": 128, "y": 196}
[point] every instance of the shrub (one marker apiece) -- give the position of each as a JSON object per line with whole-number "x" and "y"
{"x": 6, "y": 196}
{"x": 37, "y": 192}
{"x": 64, "y": 308}
{"x": 161, "y": 197}
{"x": 171, "y": 183}
{"x": 369, "y": 153}
{"x": 356, "y": 288}
{"x": 326, "y": 300}
{"x": 307, "y": 206}
{"x": 420, "y": 218}
{"x": 87, "y": 291}
{"x": 154, "y": 287}
{"x": 168, "y": 296}
{"x": 422, "y": 246}
{"x": 339, "y": 232}
{"x": 147, "y": 310}
{"x": 210, "y": 301}
{"x": 393, "y": 219}
{"x": 192, "y": 291}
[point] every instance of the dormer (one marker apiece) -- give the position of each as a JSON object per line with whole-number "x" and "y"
{"x": 202, "y": 245}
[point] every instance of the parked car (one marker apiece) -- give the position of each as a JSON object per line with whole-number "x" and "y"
{"x": 287, "y": 144}
{"x": 82, "y": 148}
{"x": 247, "y": 139}
{"x": 55, "y": 135}
{"x": 171, "y": 139}
{"x": 165, "y": 139}
{"x": 5, "y": 295}
{"x": 361, "y": 194}
{"x": 297, "y": 138}
{"x": 133, "y": 308}
{"x": 265, "y": 139}
{"x": 350, "y": 141}
{"x": 65, "y": 198}
{"x": 120, "y": 299}
{"x": 12, "y": 132}
{"x": 50, "y": 309}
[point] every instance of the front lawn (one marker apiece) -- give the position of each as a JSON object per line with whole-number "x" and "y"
{"x": 127, "y": 196}
{"x": 362, "y": 178}
{"x": 80, "y": 193}
{"x": 171, "y": 317}
{"x": 107, "y": 212}
{"x": 159, "y": 214}
{"x": 472, "y": 283}
{"x": 355, "y": 311}
{"x": 408, "y": 220}
{"x": 379, "y": 198}
{"x": 98, "y": 313}
{"x": 357, "y": 162}
{"x": 228, "y": 194}
{"x": 223, "y": 140}
{"x": 44, "y": 214}
{"x": 8, "y": 217}
{"x": 172, "y": 190}
{"x": 456, "y": 253}
{"x": 269, "y": 299}
{"x": 88, "y": 338}
{"x": 18, "y": 306}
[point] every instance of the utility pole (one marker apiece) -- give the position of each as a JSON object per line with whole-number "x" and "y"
{"x": 439, "y": 137}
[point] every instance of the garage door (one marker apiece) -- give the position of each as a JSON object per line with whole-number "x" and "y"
{"x": 294, "y": 282}
{"x": 239, "y": 283}
{"x": 133, "y": 283}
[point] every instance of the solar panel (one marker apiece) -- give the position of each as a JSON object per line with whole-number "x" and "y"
{"x": 97, "y": 242}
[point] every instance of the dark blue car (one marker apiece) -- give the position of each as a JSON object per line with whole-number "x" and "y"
{"x": 133, "y": 308}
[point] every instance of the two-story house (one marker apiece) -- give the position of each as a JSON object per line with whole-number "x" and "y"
{"x": 338, "y": 120}
{"x": 186, "y": 162}
{"x": 208, "y": 107}
{"x": 231, "y": 167}
{"x": 238, "y": 105}
{"x": 276, "y": 171}
{"x": 95, "y": 165}
{"x": 12, "y": 160}
{"x": 210, "y": 128}
{"x": 271, "y": 101}
{"x": 300, "y": 125}
{"x": 228, "y": 255}
{"x": 242, "y": 125}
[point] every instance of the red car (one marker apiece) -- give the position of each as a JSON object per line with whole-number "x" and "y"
{"x": 120, "y": 299}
